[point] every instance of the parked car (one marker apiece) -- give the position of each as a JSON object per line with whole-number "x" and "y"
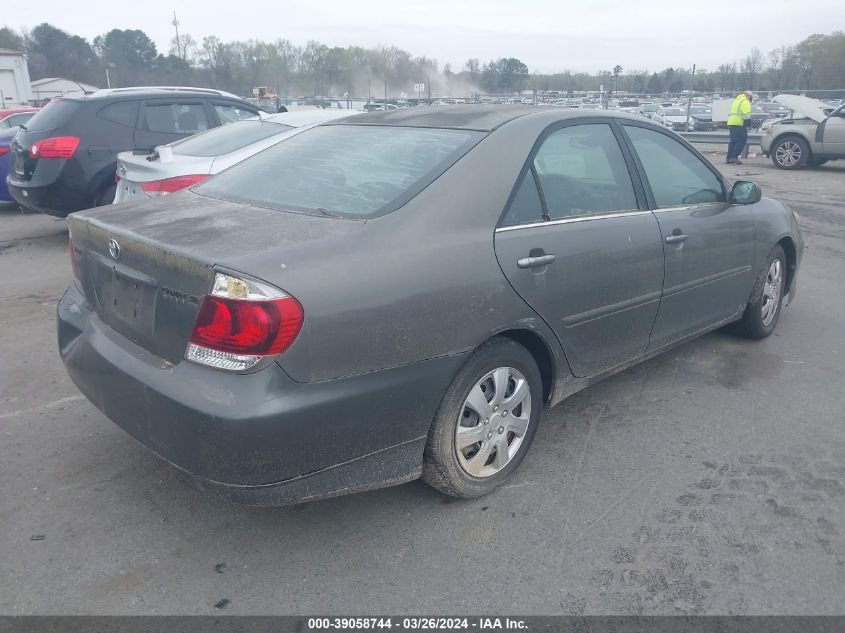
{"x": 400, "y": 294}
{"x": 701, "y": 118}
{"x": 813, "y": 135}
{"x": 66, "y": 157}
{"x": 775, "y": 110}
{"x": 185, "y": 163}
{"x": 12, "y": 118}
{"x": 648, "y": 110}
{"x": 675, "y": 118}
{"x": 6, "y": 137}
{"x": 758, "y": 116}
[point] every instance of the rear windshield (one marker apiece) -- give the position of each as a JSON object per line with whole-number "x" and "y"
{"x": 228, "y": 138}
{"x": 348, "y": 170}
{"x": 52, "y": 115}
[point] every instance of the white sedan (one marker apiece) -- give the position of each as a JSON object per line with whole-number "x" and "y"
{"x": 184, "y": 163}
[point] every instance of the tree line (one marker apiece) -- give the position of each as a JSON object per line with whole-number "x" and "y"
{"x": 130, "y": 57}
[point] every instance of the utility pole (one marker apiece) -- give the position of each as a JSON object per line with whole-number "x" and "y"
{"x": 385, "y": 94}
{"x": 369, "y": 88}
{"x": 689, "y": 102}
{"x": 428, "y": 79}
{"x": 178, "y": 41}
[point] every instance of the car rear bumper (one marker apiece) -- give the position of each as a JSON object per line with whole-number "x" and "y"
{"x": 258, "y": 438}
{"x": 53, "y": 199}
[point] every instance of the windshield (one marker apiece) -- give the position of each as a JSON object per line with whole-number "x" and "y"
{"x": 674, "y": 112}
{"x": 347, "y": 170}
{"x": 700, "y": 110}
{"x": 228, "y": 138}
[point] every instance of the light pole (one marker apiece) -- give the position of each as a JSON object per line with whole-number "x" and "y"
{"x": 108, "y": 79}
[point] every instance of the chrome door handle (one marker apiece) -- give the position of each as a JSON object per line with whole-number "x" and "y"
{"x": 534, "y": 262}
{"x": 679, "y": 238}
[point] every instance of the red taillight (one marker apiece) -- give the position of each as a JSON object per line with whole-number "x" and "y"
{"x": 241, "y": 322}
{"x": 55, "y": 147}
{"x": 5, "y": 150}
{"x": 171, "y": 185}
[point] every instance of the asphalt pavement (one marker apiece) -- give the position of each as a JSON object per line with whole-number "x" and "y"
{"x": 709, "y": 480}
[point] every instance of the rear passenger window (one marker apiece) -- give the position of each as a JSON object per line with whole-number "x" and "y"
{"x": 122, "y": 113}
{"x": 582, "y": 171}
{"x": 525, "y": 207}
{"x": 175, "y": 118}
{"x": 229, "y": 113}
{"x": 676, "y": 175}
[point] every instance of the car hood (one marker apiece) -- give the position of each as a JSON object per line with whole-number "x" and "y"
{"x": 812, "y": 108}
{"x": 677, "y": 118}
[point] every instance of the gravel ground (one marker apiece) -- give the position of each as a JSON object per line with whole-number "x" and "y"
{"x": 708, "y": 480}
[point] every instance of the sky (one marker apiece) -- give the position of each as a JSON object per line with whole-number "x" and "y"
{"x": 548, "y": 36}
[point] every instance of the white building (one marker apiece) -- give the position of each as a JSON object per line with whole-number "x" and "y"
{"x": 50, "y": 87}
{"x": 14, "y": 79}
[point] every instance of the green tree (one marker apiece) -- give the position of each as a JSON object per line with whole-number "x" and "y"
{"x": 54, "y": 53}
{"x": 655, "y": 84}
{"x": 10, "y": 39}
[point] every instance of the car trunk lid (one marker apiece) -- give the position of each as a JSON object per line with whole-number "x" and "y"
{"x": 145, "y": 266}
{"x": 135, "y": 168}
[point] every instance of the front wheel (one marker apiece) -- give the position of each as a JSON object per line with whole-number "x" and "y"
{"x": 486, "y": 421}
{"x": 791, "y": 152}
{"x": 764, "y": 306}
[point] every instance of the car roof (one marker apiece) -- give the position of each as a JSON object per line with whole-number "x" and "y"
{"x": 482, "y": 118}
{"x": 154, "y": 91}
{"x": 298, "y": 118}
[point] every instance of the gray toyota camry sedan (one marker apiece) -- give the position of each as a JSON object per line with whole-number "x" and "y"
{"x": 401, "y": 294}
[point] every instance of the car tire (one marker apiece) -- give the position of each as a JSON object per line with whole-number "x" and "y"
{"x": 106, "y": 196}
{"x": 790, "y": 152}
{"x": 468, "y": 470}
{"x": 766, "y": 302}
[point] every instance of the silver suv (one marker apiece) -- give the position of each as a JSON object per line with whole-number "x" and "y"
{"x": 813, "y": 135}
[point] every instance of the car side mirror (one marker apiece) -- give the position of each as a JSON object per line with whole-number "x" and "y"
{"x": 746, "y": 192}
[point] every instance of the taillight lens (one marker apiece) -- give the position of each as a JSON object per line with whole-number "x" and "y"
{"x": 55, "y": 147}
{"x": 4, "y": 150}
{"x": 171, "y": 185}
{"x": 241, "y": 322}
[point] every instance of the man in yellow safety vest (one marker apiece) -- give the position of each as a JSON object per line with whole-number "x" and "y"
{"x": 738, "y": 121}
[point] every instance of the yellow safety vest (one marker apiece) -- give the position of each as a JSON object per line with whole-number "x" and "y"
{"x": 740, "y": 111}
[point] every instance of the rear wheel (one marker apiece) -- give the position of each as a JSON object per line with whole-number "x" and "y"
{"x": 791, "y": 152}
{"x": 486, "y": 421}
{"x": 764, "y": 306}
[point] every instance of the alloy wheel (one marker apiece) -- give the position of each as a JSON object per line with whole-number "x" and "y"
{"x": 788, "y": 153}
{"x": 772, "y": 289}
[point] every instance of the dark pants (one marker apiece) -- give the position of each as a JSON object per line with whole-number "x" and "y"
{"x": 739, "y": 138}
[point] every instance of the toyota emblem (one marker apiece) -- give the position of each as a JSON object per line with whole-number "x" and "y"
{"x": 114, "y": 249}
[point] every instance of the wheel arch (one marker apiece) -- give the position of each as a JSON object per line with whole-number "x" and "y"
{"x": 788, "y": 246}
{"x": 542, "y": 353}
